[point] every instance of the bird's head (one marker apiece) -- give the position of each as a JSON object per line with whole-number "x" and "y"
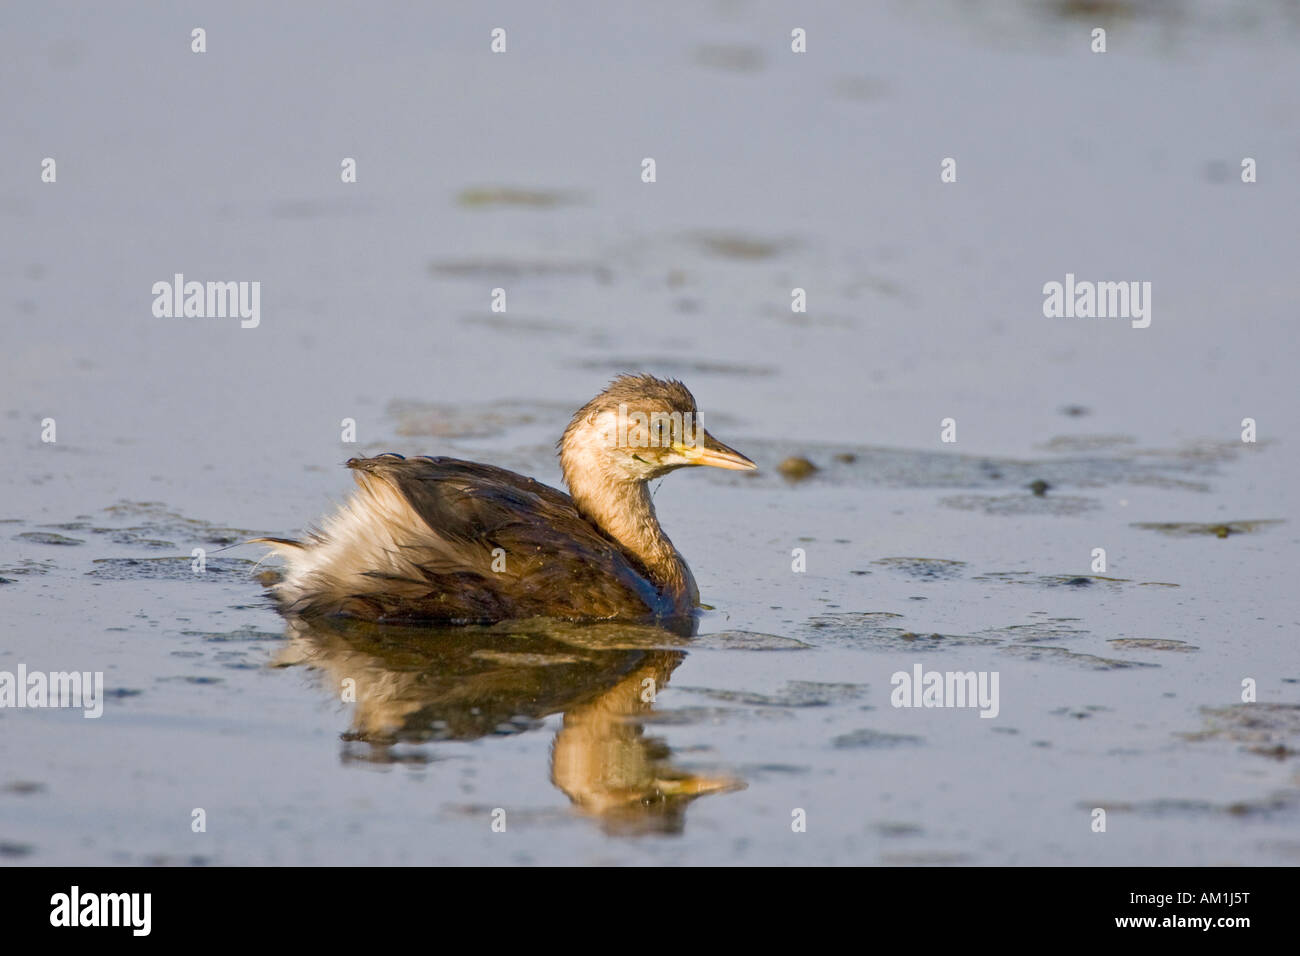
{"x": 639, "y": 428}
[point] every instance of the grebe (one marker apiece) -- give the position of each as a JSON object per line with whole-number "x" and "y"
{"x": 457, "y": 542}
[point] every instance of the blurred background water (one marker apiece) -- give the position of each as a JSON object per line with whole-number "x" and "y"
{"x": 775, "y": 171}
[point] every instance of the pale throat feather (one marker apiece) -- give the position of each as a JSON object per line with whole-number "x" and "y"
{"x": 622, "y": 508}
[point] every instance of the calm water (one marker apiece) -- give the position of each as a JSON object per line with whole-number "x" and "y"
{"x": 775, "y": 171}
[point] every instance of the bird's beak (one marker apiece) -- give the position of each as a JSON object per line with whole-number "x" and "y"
{"x": 709, "y": 451}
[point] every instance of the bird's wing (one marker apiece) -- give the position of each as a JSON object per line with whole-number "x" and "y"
{"x": 478, "y": 542}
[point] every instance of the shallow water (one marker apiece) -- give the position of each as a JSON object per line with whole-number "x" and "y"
{"x": 1118, "y": 689}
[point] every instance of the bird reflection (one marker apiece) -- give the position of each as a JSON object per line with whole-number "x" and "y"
{"x": 415, "y": 685}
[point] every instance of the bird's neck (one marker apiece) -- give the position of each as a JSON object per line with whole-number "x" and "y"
{"x": 625, "y": 512}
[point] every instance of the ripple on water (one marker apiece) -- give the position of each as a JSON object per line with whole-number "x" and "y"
{"x": 27, "y": 566}
{"x": 1037, "y": 632}
{"x": 747, "y": 641}
{"x": 874, "y": 739}
{"x": 155, "y": 524}
{"x": 792, "y": 694}
{"x": 485, "y": 268}
{"x": 1075, "y": 581}
{"x": 1284, "y": 803}
{"x": 878, "y": 630}
{"x": 48, "y": 537}
{"x": 467, "y": 420}
{"x": 686, "y": 716}
{"x": 1185, "y": 469}
{"x": 675, "y": 366}
{"x": 240, "y": 635}
{"x": 172, "y": 569}
{"x": 1151, "y": 644}
{"x": 1036, "y": 652}
{"x": 1031, "y": 504}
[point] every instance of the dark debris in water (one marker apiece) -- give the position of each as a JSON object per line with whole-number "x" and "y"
{"x": 796, "y": 468}
{"x": 1072, "y": 581}
{"x": 23, "y": 787}
{"x": 1079, "y": 580}
{"x": 1283, "y": 803}
{"x": 196, "y": 679}
{"x": 866, "y": 619}
{"x": 736, "y": 246}
{"x": 897, "y": 828}
{"x": 1079, "y": 713}
{"x": 874, "y": 739}
{"x": 1271, "y": 730}
{"x": 924, "y": 569}
{"x": 27, "y": 567}
{"x": 1189, "y": 529}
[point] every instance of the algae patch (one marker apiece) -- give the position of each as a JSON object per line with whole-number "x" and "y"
{"x": 1190, "y": 529}
{"x": 924, "y": 569}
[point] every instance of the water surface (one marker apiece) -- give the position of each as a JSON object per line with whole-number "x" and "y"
{"x": 1118, "y": 689}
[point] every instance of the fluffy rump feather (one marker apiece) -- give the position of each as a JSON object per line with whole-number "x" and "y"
{"x": 418, "y": 540}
